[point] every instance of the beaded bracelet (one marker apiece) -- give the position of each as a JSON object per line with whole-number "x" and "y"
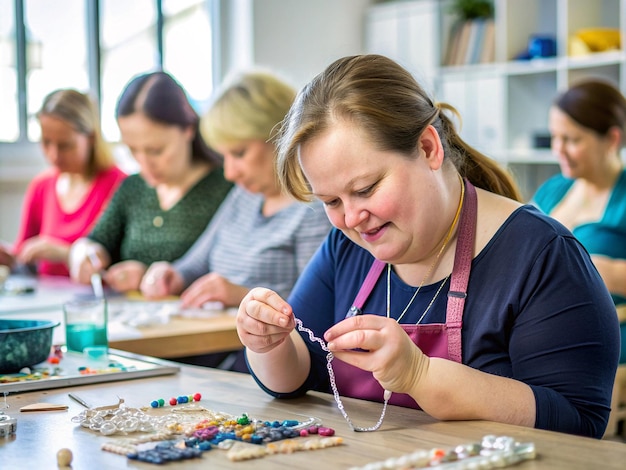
{"x": 176, "y": 401}
{"x": 491, "y": 452}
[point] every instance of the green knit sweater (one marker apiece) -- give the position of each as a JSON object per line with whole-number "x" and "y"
{"x": 134, "y": 227}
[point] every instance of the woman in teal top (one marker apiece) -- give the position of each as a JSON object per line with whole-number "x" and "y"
{"x": 587, "y": 124}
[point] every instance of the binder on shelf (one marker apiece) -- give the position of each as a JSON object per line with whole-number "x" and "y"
{"x": 477, "y": 43}
{"x": 461, "y": 50}
{"x": 488, "y": 53}
{"x": 453, "y": 43}
{"x": 471, "y": 42}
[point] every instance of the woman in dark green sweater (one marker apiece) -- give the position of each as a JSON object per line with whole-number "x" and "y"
{"x": 158, "y": 213}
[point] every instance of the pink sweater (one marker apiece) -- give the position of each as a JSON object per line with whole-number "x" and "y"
{"x": 42, "y": 214}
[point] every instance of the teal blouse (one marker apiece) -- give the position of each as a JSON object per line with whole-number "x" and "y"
{"x": 606, "y": 236}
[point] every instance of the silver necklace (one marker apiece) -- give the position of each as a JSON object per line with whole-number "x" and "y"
{"x": 331, "y": 374}
{"x": 432, "y": 301}
{"x": 446, "y": 239}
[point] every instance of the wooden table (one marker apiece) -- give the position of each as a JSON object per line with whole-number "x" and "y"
{"x": 41, "y": 434}
{"x": 181, "y": 337}
{"x": 178, "y": 336}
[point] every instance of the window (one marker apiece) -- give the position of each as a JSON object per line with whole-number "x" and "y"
{"x": 129, "y": 47}
{"x": 56, "y": 52}
{"x": 97, "y": 46}
{"x": 9, "y": 124}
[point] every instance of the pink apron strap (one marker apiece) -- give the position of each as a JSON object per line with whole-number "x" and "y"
{"x": 366, "y": 288}
{"x": 460, "y": 273}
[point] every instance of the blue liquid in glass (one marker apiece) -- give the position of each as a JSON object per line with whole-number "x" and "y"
{"x": 82, "y": 335}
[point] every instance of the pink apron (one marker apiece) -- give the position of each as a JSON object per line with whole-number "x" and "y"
{"x": 434, "y": 339}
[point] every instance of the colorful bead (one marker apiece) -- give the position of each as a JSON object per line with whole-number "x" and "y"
{"x": 64, "y": 458}
{"x": 243, "y": 420}
{"x": 181, "y": 399}
{"x": 165, "y": 452}
{"x": 327, "y": 432}
{"x": 157, "y": 403}
{"x": 57, "y": 351}
{"x": 492, "y": 452}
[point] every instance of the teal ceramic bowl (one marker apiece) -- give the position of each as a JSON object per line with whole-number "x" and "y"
{"x": 24, "y": 343}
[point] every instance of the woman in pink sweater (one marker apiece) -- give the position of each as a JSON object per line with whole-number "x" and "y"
{"x": 64, "y": 201}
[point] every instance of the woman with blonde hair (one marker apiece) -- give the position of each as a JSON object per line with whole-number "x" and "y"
{"x": 64, "y": 202}
{"x": 260, "y": 235}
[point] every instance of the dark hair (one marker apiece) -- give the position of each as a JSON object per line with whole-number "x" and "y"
{"x": 384, "y": 100}
{"x": 162, "y": 99}
{"x": 595, "y": 104}
{"x": 81, "y": 112}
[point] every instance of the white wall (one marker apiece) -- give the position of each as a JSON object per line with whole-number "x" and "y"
{"x": 301, "y": 37}
{"x": 18, "y": 164}
{"x": 296, "y": 38}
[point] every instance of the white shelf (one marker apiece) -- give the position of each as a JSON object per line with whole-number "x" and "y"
{"x": 503, "y": 104}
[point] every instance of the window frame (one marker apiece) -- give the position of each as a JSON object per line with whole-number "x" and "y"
{"x": 21, "y": 160}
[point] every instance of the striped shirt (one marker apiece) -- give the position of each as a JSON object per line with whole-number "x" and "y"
{"x": 252, "y": 250}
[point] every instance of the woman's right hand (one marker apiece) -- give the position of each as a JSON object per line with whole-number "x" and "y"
{"x": 160, "y": 280}
{"x": 264, "y": 320}
{"x": 86, "y": 258}
{"x": 6, "y": 258}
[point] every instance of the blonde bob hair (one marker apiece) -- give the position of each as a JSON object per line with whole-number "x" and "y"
{"x": 248, "y": 107}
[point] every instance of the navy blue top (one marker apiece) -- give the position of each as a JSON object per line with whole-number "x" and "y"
{"x": 537, "y": 311}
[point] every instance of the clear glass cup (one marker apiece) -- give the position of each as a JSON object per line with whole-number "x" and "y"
{"x": 86, "y": 326}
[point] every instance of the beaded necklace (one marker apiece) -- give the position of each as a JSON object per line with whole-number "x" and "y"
{"x": 432, "y": 266}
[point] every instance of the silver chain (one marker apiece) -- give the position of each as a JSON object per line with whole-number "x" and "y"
{"x": 331, "y": 374}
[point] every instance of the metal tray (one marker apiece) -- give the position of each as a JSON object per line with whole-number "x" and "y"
{"x": 131, "y": 366}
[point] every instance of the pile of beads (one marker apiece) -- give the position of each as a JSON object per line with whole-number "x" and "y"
{"x": 25, "y": 375}
{"x": 122, "y": 420}
{"x": 244, "y": 451}
{"x": 165, "y": 452}
{"x": 491, "y": 452}
{"x": 112, "y": 367}
{"x": 246, "y": 430}
{"x": 182, "y": 399}
{"x": 223, "y": 431}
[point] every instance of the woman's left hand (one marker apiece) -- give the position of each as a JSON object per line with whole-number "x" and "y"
{"x": 389, "y": 353}
{"x": 38, "y": 248}
{"x": 213, "y": 288}
{"x": 125, "y": 275}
